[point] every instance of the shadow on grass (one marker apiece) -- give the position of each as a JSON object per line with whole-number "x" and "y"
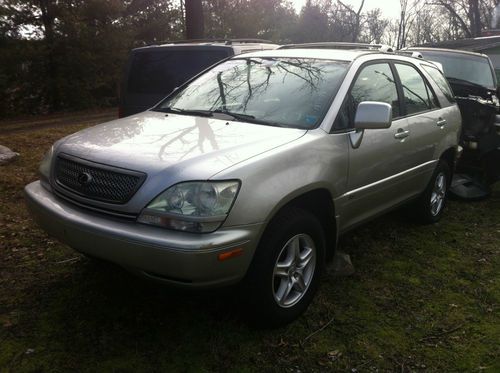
{"x": 412, "y": 303}
{"x": 98, "y": 312}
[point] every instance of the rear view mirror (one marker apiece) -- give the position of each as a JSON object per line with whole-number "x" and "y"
{"x": 373, "y": 115}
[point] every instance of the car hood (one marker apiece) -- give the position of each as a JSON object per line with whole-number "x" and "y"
{"x": 192, "y": 147}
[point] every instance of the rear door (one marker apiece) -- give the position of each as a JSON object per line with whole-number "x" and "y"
{"x": 427, "y": 122}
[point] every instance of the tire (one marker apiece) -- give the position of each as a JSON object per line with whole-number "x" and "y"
{"x": 430, "y": 205}
{"x": 286, "y": 268}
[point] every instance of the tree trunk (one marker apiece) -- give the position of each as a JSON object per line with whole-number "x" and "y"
{"x": 475, "y": 18}
{"x": 47, "y": 17}
{"x": 194, "y": 19}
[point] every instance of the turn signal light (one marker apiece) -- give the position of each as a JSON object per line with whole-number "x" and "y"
{"x": 230, "y": 254}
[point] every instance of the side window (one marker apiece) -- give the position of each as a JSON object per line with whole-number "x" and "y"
{"x": 416, "y": 95}
{"x": 441, "y": 82}
{"x": 374, "y": 83}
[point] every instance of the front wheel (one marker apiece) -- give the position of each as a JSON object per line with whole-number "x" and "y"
{"x": 283, "y": 277}
{"x": 429, "y": 207}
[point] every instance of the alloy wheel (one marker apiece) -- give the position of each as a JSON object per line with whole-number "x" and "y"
{"x": 294, "y": 270}
{"x": 438, "y": 194}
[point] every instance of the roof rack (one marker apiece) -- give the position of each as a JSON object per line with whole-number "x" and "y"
{"x": 222, "y": 40}
{"x": 341, "y": 45}
{"x": 409, "y": 53}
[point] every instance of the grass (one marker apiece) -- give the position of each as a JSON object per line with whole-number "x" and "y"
{"x": 423, "y": 298}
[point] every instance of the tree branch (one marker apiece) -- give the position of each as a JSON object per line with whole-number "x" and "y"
{"x": 455, "y": 15}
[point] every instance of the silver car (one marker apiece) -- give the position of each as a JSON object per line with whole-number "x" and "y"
{"x": 250, "y": 172}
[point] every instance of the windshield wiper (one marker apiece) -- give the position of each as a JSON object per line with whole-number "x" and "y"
{"x": 201, "y": 113}
{"x": 246, "y": 118}
{"x": 238, "y": 116}
{"x": 210, "y": 113}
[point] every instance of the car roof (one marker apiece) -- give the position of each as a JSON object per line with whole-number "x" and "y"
{"x": 431, "y": 49}
{"x": 319, "y": 53}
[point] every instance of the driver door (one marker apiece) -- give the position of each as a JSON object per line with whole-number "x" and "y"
{"x": 376, "y": 163}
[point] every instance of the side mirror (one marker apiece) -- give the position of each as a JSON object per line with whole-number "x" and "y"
{"x": 373, "y": 115}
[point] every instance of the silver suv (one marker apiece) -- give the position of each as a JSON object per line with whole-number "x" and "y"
{"x": 250, "y": 172}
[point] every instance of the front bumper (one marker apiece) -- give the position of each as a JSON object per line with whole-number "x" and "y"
{"x": 184, "y": 259}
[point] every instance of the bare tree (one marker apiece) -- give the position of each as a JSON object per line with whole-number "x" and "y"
{"x": 409, "y": 10}
{"x": 375, "y": 26}
{"x": 470, "y": 17}
{"x": 391, "y": 33}
{"x": 356, "y": 15}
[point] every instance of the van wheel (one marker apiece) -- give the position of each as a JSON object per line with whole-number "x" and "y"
{"x": 284, "y": 274}
{"x": 430, "y": 206}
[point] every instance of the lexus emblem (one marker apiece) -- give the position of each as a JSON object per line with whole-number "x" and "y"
{"x": 84, "y": 178}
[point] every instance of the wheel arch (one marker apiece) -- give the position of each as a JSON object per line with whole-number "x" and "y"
{"x": 449, "y": 156}
{"x": 320, "y": 203}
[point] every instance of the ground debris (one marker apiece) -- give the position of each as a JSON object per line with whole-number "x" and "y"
{"x": 342, "y": 265}
{"x": 334, "y": 355}
{"x": 317, "y": 331}
{"x": 70, "y": 260}
{"x": 437, "y": 335}
{"x": 7, "y": 155}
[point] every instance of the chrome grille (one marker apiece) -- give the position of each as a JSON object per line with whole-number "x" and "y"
{"x": 96, "y": 181}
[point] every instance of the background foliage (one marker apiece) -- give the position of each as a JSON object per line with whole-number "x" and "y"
{"x": 68, "y": 54}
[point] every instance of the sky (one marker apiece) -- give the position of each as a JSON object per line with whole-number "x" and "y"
{"x": 390, "y": 8}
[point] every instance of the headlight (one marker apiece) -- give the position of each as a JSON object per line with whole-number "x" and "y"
{"x": 194, "y": 206}
{"x": 44, "y": 168}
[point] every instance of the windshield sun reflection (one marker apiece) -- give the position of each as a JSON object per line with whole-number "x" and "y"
{"x": 288, "y": 92}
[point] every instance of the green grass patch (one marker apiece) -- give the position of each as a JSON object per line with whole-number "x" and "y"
{"x": 423, "y": 298}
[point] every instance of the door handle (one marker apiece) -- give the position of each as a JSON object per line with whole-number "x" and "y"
{"x": 401, "y": 134}
{"x": 441, "y": 122}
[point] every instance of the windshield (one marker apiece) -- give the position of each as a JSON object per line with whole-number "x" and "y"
{"x": 160, "y": 71}
{"x": 288, "y": 92}
{"x": 475, "y": 69}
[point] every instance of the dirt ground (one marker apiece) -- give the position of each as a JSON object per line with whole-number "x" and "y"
{"x": 36, "y": 123}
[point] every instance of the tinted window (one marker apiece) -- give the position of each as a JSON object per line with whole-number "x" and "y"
{"x": 440, "y": 81}
{"x": 475, "y": 69}
{"x": 291, "y": 92}
{"x": 374, "y": 83}
{"x": 416, "y": 98}
{"x": 160, "y": 71}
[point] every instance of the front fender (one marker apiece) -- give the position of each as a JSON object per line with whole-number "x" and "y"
{"x": 270, "y": 180}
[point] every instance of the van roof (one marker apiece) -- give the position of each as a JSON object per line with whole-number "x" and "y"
{"x": 210, "y": 42}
